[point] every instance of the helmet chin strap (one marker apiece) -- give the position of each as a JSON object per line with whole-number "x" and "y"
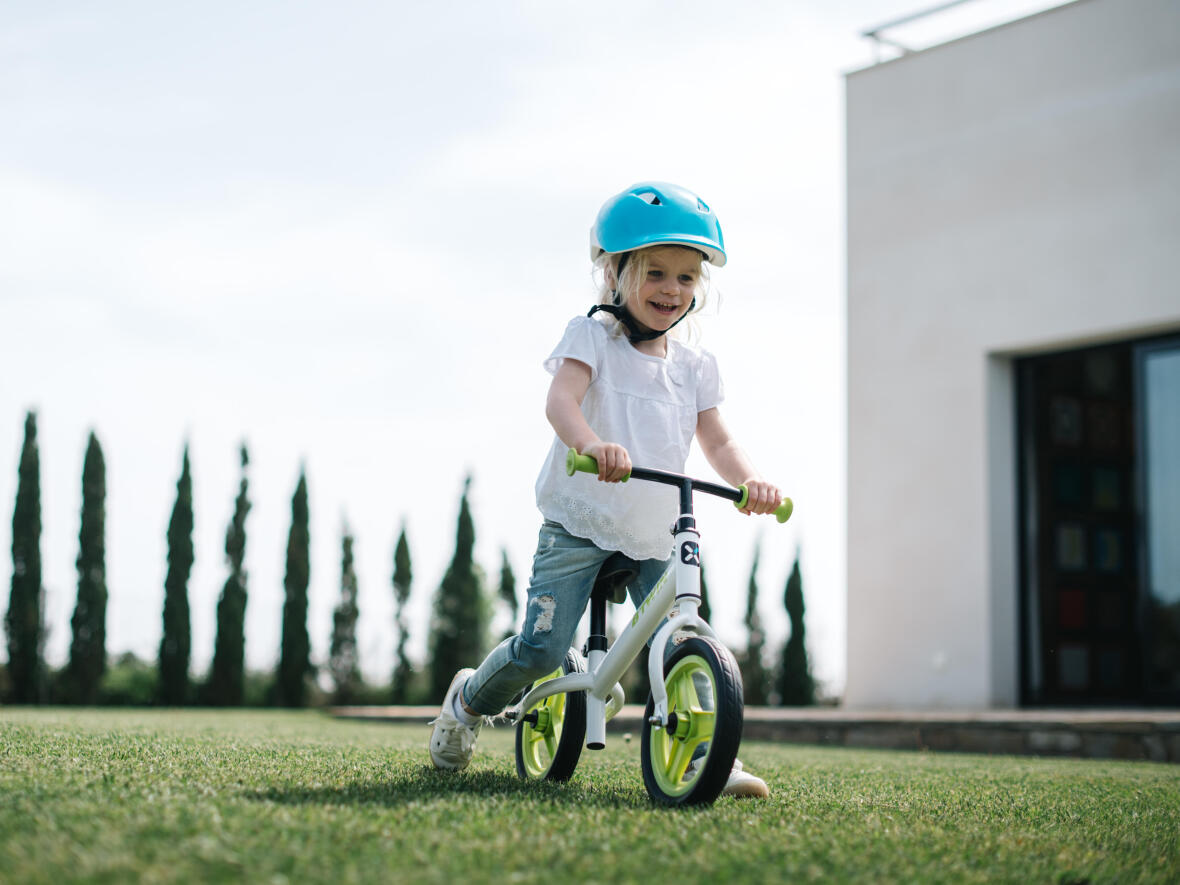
{"x": 636, "y": 331}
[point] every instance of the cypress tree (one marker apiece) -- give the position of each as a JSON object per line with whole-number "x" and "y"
{"x": 458, "y": 629}
{"x": 176, "y": 639}
{"x": 342, "y": 653}
{"x": 227, "y": 676}
{"x": 508, "y": 593}
{"x": 796, "y": 687}
{"x": 755, "y": 677}
{"x": 295, "y": 654}
{"x": 23, "y": 621}
{"x": 402, "y": 577}
{"x": 88, "y": 645}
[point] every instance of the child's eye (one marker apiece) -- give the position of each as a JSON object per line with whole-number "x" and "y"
{"x": 655, "y": 274}
{"x": 688, "y": 279}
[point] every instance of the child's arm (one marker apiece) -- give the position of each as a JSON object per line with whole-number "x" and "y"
{"x": 734, "y": 466}
{"x": 563, "y": 408}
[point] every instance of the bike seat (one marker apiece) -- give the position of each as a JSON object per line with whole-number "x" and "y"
{"x": 616, "y": 573}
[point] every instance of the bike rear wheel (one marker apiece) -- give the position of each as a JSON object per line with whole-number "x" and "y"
{"x": 688, "y": 763}
{"x": 550, "y": 735}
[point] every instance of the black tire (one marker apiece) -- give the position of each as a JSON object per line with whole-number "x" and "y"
{"x": 714, "y": 725}
{"x": 548, "y": 747}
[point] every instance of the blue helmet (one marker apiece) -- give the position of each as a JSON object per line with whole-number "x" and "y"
{"x": 655, "y": 213}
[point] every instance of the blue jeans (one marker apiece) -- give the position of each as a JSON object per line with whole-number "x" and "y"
{"x": 564, "y": 569}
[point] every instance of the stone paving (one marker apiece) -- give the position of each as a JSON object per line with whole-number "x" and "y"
{"x": 1097, "y": 734}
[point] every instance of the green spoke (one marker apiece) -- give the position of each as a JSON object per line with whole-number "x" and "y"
{"x": 678, "y": 761}
{"x": 692, "y": 700}
{"x": 685, "y": 692}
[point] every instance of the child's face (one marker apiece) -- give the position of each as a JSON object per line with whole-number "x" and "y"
{"x": 667, "y": 292}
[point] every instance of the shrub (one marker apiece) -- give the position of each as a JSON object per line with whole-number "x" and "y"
{"x": 128, "y": 682}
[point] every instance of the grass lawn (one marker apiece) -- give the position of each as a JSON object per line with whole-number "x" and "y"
{"x": 116, "y": 796}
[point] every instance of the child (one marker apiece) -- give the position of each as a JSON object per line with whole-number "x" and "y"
{"x": 623, "y": 391}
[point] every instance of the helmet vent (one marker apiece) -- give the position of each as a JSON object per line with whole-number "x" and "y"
{"x": 650, "y": 198}
{"x": 701, "y": 205}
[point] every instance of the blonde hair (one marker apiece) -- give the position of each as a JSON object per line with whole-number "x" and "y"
{"x": 634, "y": 273}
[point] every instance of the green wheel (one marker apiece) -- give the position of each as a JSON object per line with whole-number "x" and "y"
{"x": 705, "y": 705}
{"x": 549, "y": 736}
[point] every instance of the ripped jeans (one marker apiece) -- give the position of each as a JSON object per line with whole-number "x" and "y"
{"x": 564, "y": 569}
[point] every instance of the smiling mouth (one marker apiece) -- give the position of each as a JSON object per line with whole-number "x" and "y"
{"x": 665, "y": 309}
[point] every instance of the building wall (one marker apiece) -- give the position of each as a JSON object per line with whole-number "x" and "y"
{"x": 1014, "y": 191}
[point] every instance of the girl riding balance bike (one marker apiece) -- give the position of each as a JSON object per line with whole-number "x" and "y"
{"x": 625, "y": 391}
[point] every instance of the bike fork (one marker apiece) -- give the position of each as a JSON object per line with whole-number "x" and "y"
{"x": 687, "y": 549}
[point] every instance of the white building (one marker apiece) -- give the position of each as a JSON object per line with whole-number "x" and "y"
{"x": 1014, "y": 365}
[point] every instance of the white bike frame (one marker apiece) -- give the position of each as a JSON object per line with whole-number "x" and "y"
{"x": 679, "y": 588}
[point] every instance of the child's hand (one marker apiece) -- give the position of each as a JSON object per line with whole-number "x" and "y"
{"x": 764, "y": 497}
{"x": 613, "y": 461}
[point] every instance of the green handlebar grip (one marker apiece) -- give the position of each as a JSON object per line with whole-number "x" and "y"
{"x": 575, "y": 463}
{"x": 782, "y": 513}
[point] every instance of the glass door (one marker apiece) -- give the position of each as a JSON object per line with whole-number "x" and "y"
{"x": 1158, "y": 381}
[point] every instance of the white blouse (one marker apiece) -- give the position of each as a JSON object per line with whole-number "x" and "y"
{"x": 647, "y": 404}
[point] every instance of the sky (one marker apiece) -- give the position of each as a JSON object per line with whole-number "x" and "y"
{"x": 348, "y": 234}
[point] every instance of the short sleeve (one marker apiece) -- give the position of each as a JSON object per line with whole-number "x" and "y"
{"x": 583, "y": 341}
{"x": 710, "y": 389}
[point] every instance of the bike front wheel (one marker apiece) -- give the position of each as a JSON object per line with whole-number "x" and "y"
{"x": 550, "y": 735}
{"x": 688, "y": 763}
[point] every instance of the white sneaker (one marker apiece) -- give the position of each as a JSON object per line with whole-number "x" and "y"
{"x": 452, "y": 743}
{"x": 741, "y": 783}
{"x": 745, "y": 785}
